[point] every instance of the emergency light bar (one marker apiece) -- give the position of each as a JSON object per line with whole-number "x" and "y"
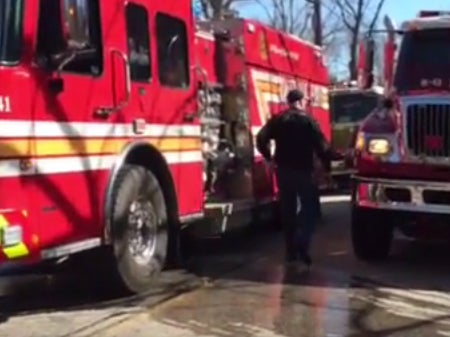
{"x": 442, "y": 21}
{"x": 426, "y": 14}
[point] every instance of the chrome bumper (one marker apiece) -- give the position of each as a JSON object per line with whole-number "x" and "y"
{"x": 402, "y": 195}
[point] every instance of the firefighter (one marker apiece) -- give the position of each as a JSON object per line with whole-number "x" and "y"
{"x": 297, "y": 137}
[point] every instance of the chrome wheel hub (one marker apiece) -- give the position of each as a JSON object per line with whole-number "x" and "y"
{"x": 143, "y": 230}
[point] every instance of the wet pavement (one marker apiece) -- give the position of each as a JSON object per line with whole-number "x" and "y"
{"x": 242, "y": 288}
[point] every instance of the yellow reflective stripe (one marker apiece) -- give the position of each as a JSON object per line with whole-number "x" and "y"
{"x": 16, "y": 251}
{"x": 3, "y": 222}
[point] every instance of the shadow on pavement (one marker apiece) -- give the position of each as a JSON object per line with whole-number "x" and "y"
{"x": 72, "y": 287}
{"x": 407, "y": 295}
{"x": 246, "y": 288}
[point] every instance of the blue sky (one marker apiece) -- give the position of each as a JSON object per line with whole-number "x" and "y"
{"x": 399, "y": 10}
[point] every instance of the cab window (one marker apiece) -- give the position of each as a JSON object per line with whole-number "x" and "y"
{"x": 138, "y": 42}
{"x": 11, "y": 18}
{"x": 173, "y": 55}
{"x": 50, "y": 41}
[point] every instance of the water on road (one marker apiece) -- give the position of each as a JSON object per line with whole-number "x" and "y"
{"x": 244, "y": 289}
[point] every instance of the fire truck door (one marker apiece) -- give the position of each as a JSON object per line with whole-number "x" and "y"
{"x": 76, "y": 142}
{"x": 171, "y": 109}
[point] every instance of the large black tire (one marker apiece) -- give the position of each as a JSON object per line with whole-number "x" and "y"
{"x": 138, "y": 190}
{"x": 372, "y": 234}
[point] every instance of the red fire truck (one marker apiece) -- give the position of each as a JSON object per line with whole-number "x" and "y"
{"x": 403, "y": 171}
{"x": 107, "y": 138}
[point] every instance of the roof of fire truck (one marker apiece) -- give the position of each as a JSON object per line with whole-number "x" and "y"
{"x": 251, "y": 25}
{"x": 269, "y": 48}
{"x": 428, "y": 20}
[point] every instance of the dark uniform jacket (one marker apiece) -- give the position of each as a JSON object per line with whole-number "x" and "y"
{"x": 297, "y": 137}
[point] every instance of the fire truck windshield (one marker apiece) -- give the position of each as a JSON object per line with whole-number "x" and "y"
{"x": 11, "y": 14}
{"x": 424, "y": 61}
{"x": 352, "y": 107}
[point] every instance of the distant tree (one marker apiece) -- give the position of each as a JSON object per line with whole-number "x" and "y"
{"x": 357, "y": 16}
{"x": 296, "y": 17}
{"x": 217, "y": 8}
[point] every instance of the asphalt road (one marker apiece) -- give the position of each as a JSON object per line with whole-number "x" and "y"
{"x": 242, "y": 288}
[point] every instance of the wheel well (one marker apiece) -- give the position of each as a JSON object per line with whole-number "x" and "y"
{"x": 149, "y": 157}
{"x": 144, "y": 154}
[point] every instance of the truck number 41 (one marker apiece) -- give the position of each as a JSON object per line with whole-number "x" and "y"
{"x": 5, "y": 104}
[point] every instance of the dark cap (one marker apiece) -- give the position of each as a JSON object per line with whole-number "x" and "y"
{"x": 294, "y": 95}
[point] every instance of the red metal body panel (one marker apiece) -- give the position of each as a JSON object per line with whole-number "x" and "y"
{"x": 272, "y": 49}
{"x": 206, "y": 54}
{"x": 287, "y": 62}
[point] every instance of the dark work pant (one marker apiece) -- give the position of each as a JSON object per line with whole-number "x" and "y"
{"x": 298, "y": 204}
{"x": 317, "y": 206}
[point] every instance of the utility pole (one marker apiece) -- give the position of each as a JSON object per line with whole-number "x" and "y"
{"x": 317, "y": 21}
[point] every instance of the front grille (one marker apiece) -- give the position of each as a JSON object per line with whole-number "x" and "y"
{"x": 428, "y": 130}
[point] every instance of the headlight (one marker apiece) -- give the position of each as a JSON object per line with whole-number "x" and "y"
{"x": 379, "y": 146}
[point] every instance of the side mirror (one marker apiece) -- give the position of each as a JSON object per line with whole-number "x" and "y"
{"x": 75, "y": 24}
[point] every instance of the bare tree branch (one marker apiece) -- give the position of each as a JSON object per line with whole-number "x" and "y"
{"x": 296, "y": 17}
{"x": 355, "y": 14}
{"x": 217, "y": 8}
{"x": 377, "y": 14}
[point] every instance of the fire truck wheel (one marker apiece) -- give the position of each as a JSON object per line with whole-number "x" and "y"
{"x": 371, "y": 234}
{"x": 139, "y": 228}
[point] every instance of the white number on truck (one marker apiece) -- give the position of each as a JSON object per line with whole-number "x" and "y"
{"x": 5, "y": 104}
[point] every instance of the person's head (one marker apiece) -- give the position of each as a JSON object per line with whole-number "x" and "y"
{"x": 295, "y": 98}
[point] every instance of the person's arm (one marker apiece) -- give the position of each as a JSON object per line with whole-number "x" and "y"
{"x": 263, "y": 138}
{"x": 321, "y": 147}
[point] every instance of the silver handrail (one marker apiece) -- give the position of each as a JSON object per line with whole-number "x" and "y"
{"x": 127, "y": 99}
{"x": 105, "y": 112}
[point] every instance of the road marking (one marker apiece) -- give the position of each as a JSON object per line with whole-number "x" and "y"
{"x": 421, "y": 305}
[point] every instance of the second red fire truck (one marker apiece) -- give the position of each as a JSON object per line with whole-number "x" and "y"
{"x": 403, "y": 162}
{"x": 119, "y": 125}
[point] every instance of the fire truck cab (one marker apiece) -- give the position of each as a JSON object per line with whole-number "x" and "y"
{"x": 100, "y": 144}
{"x": 403, "y": 148}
